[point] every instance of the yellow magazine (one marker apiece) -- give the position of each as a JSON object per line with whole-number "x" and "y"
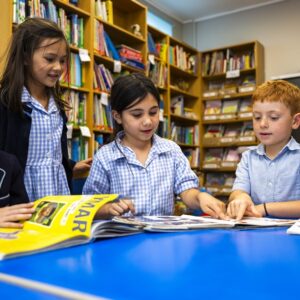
{"x": 58, "y": 222}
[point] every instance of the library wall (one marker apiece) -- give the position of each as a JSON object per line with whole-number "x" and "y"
{"x": 276, "y": 26}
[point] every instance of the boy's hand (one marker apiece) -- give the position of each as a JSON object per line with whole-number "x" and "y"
{"x": 212, "y": 206}
{"x": 118, "y": 208}
{"x": 242, "y": 207}
{"x": 11, "y": 215}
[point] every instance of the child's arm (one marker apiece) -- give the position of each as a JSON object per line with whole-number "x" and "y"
{"x": 11, "y": 215}
{"x": 285, "y": 209}
{"x": 82, "y": 167}
{"x": 240, "y": 204}
{"x": 118, "y": 208}
{"x": 207, "y": 203}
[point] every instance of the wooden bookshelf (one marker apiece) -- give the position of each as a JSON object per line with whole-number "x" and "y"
{"x": 228, "y": 75}
{"x": 179, "y": 64}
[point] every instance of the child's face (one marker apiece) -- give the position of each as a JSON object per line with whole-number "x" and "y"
{"x": 273, "y": 124}
{"x": 140, "y": 121}
{"x": 48, "y": 63}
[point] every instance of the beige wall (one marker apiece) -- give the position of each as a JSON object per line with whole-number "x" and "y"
{"x": 276, "y": 26}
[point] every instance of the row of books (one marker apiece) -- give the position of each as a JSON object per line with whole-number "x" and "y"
{"x": 178, "y": 107}
{"x": 188, "y": 135}
{"x": 219, "y": 182}
{"x": 74, "y": 77}
{"x": 182, "y": 59}
{"x": 102, "y": 113}
{"x": 193, "y": 156}
{"x": 77, "y": 101}
{"x": 218, "y": 134}
{"x": 157, "y": 71}
{"x": 130, "y": 56}
{"x": 102, "y": 79}
{"x": 227, "y": 109}
{"x": 230, "y": 87}
{"x": 219, "y": 62}
{"x": 104, "y": 10}
{"x": 216, "y": 158}
{"x": 104, "y": 46}
{"x": 159, "y": 50}
{"x": 71, "y": 24}
{"x": 78, "y": 148}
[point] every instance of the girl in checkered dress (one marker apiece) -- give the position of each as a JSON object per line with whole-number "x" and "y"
{"x": 32, "y": 112}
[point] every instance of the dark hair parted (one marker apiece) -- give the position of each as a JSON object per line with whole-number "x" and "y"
{"x": 25, "y": 40}
{"x": 128, "y": 90}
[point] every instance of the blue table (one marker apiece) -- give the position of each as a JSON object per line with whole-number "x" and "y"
{"x": 208, "y": 264}
{"x": 12, "y": 291}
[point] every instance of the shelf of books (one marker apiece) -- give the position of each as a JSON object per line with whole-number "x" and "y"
{"x": 229, "y": 77}
{"x": 109, "y": 38}
{"x": 184, "y": 87}
{"x": 120, "y": 47}
{"x": 157, "y": 70}
{"x": 172, "y": 65}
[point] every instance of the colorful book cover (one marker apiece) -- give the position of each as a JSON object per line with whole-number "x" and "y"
{"x": 58, "y": 222}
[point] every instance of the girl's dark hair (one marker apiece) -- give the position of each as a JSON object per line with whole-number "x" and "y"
{"x": 130, "y": 89}
{"x": 25, "y": 40}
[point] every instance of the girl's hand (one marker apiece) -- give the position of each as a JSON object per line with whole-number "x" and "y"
{"x": 212, "y": 206}
{"x": 118, "y": 208}
{"x": 11, "y": 215}
{"x": 82, "y": 166}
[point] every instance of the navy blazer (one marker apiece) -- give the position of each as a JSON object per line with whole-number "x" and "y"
{"x": 14, "y": 137}
{"x": 12, "y": 189}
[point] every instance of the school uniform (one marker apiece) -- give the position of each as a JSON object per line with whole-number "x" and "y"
{"x": 270, "y": 180}
{"x": 39, "y": 140}
{"x": 151, "y": 186}
{"x": 12, "y": 189}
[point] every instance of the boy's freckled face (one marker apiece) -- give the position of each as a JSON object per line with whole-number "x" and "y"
{"x": 272, "y": 123}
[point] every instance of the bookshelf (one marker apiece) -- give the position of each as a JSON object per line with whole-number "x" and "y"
{"x": 229, "y": 75}
{"x": 174, "y": 68}
{"x": 78, "y": 19}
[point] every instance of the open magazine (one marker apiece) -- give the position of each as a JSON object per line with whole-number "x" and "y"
{"x": 188, "y": 222}
{"x": 58, "y": 222}
{"x": 63, "y": 221}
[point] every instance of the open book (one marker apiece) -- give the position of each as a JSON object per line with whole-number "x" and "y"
{"x": 187, "y": 222}
{"x": 58, "y": 222}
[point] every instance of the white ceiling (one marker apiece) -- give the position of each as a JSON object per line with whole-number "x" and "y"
{"x": 186, "y": 11}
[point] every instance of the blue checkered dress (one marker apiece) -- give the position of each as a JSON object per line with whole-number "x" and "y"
{"x": 152, "y": 186}
{"x": 44, "y": 172}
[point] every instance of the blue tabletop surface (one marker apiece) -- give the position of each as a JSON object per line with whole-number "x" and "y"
{"x": 11, "y": 291}
{"x": 207, "y": 264}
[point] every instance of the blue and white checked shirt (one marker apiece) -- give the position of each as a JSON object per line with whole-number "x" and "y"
{"x": 267, "y": 180}
{"x": 152, "y": 186}
{"x": 44, "y": 172}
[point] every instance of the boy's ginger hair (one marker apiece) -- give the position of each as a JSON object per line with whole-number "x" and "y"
{"x": 279, "y": 90}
